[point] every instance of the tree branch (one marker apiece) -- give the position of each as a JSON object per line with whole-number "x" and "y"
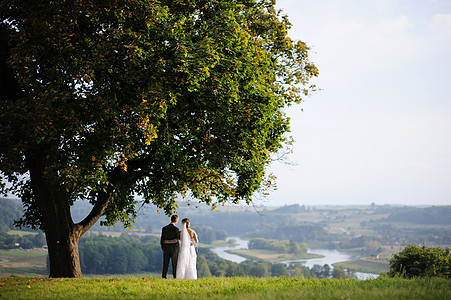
{"x": 103, "y": 199}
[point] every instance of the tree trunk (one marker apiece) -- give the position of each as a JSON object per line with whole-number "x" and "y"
{"x": 62, "y": 240}
{"x": 63, "y": 253}
{"x": 61, "y": 233}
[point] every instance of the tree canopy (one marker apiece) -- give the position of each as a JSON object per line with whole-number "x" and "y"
{"x": 421, "y": 261}
{"x": 110, "y": 100}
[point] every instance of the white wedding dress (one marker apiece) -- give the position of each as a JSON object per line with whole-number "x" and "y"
{"x": 186, "y": 263}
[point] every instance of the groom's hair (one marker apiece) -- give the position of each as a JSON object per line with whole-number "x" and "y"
{"x": 174, "y": 218}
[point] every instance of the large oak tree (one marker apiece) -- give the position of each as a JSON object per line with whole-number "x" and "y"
{"x": 105, "y": 101}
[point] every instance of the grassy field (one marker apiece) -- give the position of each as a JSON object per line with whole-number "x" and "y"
{"x": 362, "y": 265}
{"x": 224, "y": 288}
{"x": 20, "y": 232}
{"x": 23, "y": 263}
{"x": 271, "y": 256}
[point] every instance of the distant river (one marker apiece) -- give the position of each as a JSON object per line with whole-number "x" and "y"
{"x": 240, "y": 244}
{"x": 330, "y": 256}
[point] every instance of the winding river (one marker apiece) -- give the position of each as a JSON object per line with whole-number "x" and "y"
{"x": 239, "y": 244}
{"x": 330, "y": 257}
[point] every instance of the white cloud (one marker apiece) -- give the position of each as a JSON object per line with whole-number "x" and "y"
{"x": 440, "y": 32}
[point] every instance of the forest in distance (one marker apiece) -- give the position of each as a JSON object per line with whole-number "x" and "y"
{"x": 363, "y": 228}
{"x": 369, "y": 231}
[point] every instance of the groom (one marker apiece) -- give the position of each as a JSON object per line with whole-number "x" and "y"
{"x": 170, "y": 236}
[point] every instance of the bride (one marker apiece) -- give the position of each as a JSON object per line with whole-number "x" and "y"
{"x": 186, "y": 264}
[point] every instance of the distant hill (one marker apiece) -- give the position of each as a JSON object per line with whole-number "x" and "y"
{"x": 10, "y": 210}
{"x": 439, "y": 215}
{"x": 289, "y": 209}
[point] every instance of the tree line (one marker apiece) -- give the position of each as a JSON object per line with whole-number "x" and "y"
{"x": 27, "y": 241}
{"x": 423, "y": 215}
{"x": 301, "y": 233}
{"x": 283, "y": 246}
{"x": 10, "y": 210}
{"x": 387, "y": 233}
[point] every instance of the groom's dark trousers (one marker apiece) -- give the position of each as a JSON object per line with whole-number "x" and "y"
{"x": 170, "y": 251}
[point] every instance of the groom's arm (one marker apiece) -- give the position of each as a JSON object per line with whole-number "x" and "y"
{"x": 171, "y": 241}
{"x": 161, "y": 240}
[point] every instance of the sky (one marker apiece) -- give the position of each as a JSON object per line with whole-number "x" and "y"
{"x": 379, "y": 130}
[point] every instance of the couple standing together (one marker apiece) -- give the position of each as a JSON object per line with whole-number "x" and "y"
{"x": 178, "y": 246}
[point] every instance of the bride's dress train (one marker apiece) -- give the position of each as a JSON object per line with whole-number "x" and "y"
{"x": 186, "y": 264}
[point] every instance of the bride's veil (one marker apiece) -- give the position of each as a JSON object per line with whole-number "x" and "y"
{"x": 183, "y": 258}
{"x": 184, "y": 237}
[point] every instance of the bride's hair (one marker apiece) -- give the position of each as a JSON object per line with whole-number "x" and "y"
{"x": 185, "y": 220}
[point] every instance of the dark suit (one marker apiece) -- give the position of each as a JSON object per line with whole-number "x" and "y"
{"x": 170, "y": 251}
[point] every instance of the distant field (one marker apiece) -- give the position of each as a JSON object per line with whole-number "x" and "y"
{"x": 271, "y": 256}
{"x": 22, "y": 253}
{"x": 23, "y": 263}
{"x": 20, "y": 232}
{"x": 367, "y": 266}
{"x": 216, "y": 243}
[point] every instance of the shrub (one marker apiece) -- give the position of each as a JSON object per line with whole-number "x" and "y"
{"x": 421, "y": 261}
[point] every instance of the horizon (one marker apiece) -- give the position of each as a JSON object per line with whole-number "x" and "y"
{"x": 195, "y": 206}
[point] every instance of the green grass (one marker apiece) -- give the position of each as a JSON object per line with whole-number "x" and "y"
{"x": 224, "y": 288}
